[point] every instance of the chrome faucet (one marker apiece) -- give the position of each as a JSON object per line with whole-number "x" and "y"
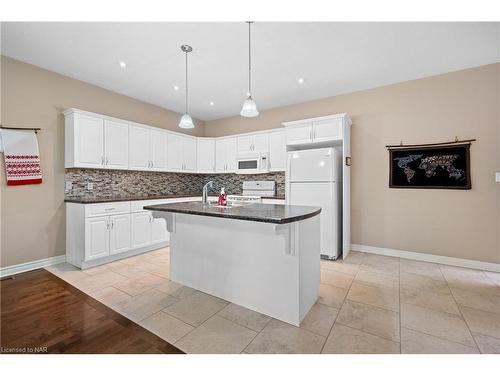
{"x": 209, "y": 184}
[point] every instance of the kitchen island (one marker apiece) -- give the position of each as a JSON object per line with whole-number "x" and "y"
{"x": 264, "y": 257}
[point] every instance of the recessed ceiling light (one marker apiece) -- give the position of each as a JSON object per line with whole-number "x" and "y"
{"x": 212, "y": 104}
{"x": 123, "y": 64}
{"x": 301, "y": 80}
{"x": 176, "y": 88}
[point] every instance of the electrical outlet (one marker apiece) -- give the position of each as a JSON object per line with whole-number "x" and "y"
{"x": 90, "y": 186}
{"x": 497, "y": 177}
{"x": 68, "y": 185}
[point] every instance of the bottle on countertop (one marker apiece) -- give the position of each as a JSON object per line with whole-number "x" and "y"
{"x": 222, "y": 198}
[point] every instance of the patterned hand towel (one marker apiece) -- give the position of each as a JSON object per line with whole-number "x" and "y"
{"x": 22, "y": 158}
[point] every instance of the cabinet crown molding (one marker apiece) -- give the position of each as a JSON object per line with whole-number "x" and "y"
{"x": 344, "y": 116}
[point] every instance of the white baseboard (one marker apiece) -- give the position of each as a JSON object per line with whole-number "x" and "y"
{"x": 424, "y": 257}
{"x": 29, "y": 266}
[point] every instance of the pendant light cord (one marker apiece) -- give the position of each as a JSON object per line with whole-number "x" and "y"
{"x": 186, "y": 82}
{"x": 249, "y": 60}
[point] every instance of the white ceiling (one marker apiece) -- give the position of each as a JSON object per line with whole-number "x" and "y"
{"x": 333, "y": 58}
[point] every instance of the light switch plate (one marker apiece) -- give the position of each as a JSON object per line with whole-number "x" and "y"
{"x": 68, "y": 185}
{"x": 90, "y": 186}
{"x": 497, "y": 177}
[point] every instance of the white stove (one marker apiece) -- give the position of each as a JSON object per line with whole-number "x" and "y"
{"x": 238, "y": 200}
{"x": 253, "y": 192}
{"x": 259, "y": 188}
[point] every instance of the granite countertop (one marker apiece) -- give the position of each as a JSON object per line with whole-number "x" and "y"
{"x": 266, "y": 213}
{"x": 87, "y": 200}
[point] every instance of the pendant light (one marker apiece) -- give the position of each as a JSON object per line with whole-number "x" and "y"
{"x": 186, "y": 120}
{"x": 249, "y": 107}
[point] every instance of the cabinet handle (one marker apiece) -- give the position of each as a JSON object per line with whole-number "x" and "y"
{"x": 102, "y": 160}
{"x": 112, "y": 224}
{"x": 106, "y": 160}
{"x": 107, "y": 224}
{"x": 152, "y": 163}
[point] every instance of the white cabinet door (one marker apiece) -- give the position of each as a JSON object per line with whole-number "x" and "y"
{"x": 189, "y": 154}
{"x": 220, "y": 155}
{"x": 346, "y": 190}
{"x": 175, "y": 160}
{"x": 327, "y": 130}
{"x": 96, "y": 237}
{"x": 277, "y": 151}
{"x": 231, "y": 151}
{"x": 159, "y": 231}
{"x": 260, "y": 143}
{"x": 116, "y": 145}
{"x": 138, "y": 148}
{"x": 141, "y": 229}
{"x": 119, "y": 233}
{"x": 205, "y": 155}
{"x": 300, "y": 134}
{"x": 158, "y": 143}
{"x": 89, "y": 141}
{"x": 245, "y": 144}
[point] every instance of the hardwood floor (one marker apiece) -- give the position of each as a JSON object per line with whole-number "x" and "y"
{"x": 41, "y": 313}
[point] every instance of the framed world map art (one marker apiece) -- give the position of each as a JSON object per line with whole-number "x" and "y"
{"x": 434, "y": 167}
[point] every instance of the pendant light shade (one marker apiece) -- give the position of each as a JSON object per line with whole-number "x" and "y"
{"x": 249, "y": 108}
{"x": 186, "y": 120}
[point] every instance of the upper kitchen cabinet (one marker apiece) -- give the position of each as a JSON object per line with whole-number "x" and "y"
{"x": 299, "y": 134}
{"x": 139, "y": 148}
{"x": 93, "y": 142}
{"x": 175, "y": 160}
{"x": 277, "y": 151}
{"x": 189, "y": 154}
{"x": 116, "y": 145}
{"x": 225, "y": 155}
{"x": 205, "y": 155}
{"x": 147, "y": 148}
{"x": 253, "y": 143}
{"x": 158, "y": 140}
{"x": 327, "y": 130}
{"x": 181, "y": 153}
{"x": 316, "y": 130}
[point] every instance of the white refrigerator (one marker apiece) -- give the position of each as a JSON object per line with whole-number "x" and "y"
{"x": 314, "y": 179}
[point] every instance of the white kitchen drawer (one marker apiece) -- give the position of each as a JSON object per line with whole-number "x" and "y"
{"x": 113, "y": 208}
{"x": 137, "y": 206}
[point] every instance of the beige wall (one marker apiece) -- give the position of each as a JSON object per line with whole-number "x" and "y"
{"x": 32, "y": 217}
{"x": 463, "y": 224}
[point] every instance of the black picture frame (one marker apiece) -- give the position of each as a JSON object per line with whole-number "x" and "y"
{"x": 406, "y": 170}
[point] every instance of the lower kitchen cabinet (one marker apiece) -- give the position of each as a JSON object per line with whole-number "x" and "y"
{"x": 96, "y": 237}
{"x": 104, "y": 232}
{"x": 106, "y": 235}
{"x": 119, "y": 233}
{"x": 141, "y": 229}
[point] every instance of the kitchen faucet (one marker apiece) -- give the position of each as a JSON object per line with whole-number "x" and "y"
{"x": 205, "y": 191}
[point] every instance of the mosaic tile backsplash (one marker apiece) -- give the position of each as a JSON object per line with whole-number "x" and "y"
{"x": 116, "y": 183}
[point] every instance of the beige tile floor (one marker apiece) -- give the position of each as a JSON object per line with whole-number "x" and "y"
{"x": 367, "y": 304}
